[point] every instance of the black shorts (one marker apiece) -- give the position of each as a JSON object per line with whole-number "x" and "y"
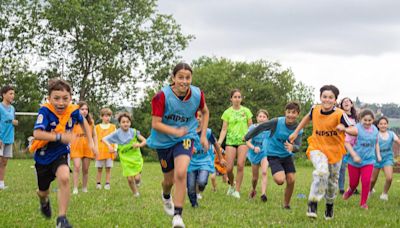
{"x": 47, "y": 173}
{"x": 278, "y": 164}
{"x": 167, "y": 156}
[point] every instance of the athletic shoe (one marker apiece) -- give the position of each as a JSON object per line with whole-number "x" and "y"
{"x": 45, "y": 208}
{"x": 107, "y": 187}
{"x": 264, "y": 198}
{"x": 199, "y": 197}
{"x": 230, "y": 191}
{"x": 98, "y": 186}
{"x": 329, "y": 211}
{"x": 196, "y": 205}
{"x": 312, "y": 209}
{"x": 364, "y": 206}
{"x": 84, "y": 190}
{"x": 62, "y": 222}
{"x": 236, "y": 194}
{"x": 75, "y": 191}
{"x": 384, "y": 197}
{"x": 347, "y": 194}
{"x": 177, "y": 221}
{"x": 3, "y": 187}
{"x": 341, "y": 191}
{"x": 168, "y": 205}
{"x": 287, "y": 207}
{"x": 137, "y": 194}
{"x": 252, "y": 194}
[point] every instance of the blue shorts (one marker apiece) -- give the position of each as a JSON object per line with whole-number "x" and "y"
{"x": 167, "y": 156}
{"x": 383, "y": 163}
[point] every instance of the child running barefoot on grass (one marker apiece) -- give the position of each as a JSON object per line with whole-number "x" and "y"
{"x": 130, "y": 156}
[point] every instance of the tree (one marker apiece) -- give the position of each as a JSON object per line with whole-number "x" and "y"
{"x": 104, "y": 48}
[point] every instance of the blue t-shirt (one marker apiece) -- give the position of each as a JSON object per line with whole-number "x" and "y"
{"x": 47, "y": 121}
{"x": 201, "y": 159}
{"x": 121, "y": 137}
{"x": 385, "y": 147}
{"x": 365, "y": 146}
{"x": 7, "y": 115}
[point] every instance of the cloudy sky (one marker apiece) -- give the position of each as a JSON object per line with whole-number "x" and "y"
{"x": 353, "y": 44}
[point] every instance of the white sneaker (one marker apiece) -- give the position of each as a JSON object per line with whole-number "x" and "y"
{"x": 177, "y": 221}
{"x": 168, "y": 205}
{"x": 137, "y": 194}
{"x": 3, "y": 187}
{"x": 384, "y": 197}
{"x": 230, "y": 191}
{"x": 98, "y": 186}
{"x": 85, "y": 190}
{"x": 199, "y": 197}
{"x": 236, "y": 194}
{"x": 107, "y": 187}
{"x": 75, "y": 191}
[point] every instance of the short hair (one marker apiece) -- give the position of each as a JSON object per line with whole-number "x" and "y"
{"x": 5, "y": 90}
{"x": 380, "y": 119}
{"x": 59, "y": 85}
{"x": 332, "y": 88}
{"x": 263, "y": 111}
{"x": 105, "y": 111}
{"x": 293, "y": 106}
{"x": 124, "y": 114}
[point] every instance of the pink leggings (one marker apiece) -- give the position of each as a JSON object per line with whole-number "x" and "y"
{"x": 365, "y": 172}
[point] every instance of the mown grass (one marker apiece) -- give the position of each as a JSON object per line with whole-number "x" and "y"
{"x": 118, "y": 208}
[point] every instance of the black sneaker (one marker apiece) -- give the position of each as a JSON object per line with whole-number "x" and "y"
{"x": 329, "y": 211}
{"x": 46, "y": 209}
{"x": 62, "y": 222}
{"x": 287, "y": 207}
{"x": 312, "y": 209}
{"x": 196, "y": 205}
{"x": 341, "y": 191}
{"x": 264, "y": 198}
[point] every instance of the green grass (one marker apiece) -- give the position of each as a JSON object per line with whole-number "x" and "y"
{"x": 118, "y": 208}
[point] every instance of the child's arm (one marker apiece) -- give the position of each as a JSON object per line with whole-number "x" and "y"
{"x": 96, "y": 145}
{"x": 260, "y": 128}
{"x": 64, "y": 138}
{"x": 221, "y": 159}
{"x": 158, "y": 125}
{"x": 256, "y": 149}
{"x": 205, "y": 118}
{"x": 142, "y": 142}
{"x": 222, "y": 134}
{"x": 378, "y": 150}
{"x": 352, "y": 152}
{"x": 302, "y": 124}
{"x": 108, "y": 140}
{"x": 396, "y": 139}
{"x": 86, "y": 128}
{"x": 350, "y": 130}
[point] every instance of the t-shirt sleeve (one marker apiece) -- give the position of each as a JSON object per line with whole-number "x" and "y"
{"x": 345, "y": 120}
{"x": 137, "y": 134}
{"x": 248, "y": 114}
{"x": 212, "y": 139}
{"x": 76, "y": 115}
{"x": 112, "y": 138}
{"x": 202, "y": 100}
{"x": 225, "y": 116}
{"x": 42, "y": 121}
{"x": 351, "y": 139}
{"x": 158, "y": 104}
{"x": 310, "y": 113}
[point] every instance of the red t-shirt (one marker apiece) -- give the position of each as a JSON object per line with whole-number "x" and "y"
{"x": 158, "y": 103}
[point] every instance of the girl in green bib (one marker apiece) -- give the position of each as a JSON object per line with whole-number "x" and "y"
{"x": 130, "y": 156}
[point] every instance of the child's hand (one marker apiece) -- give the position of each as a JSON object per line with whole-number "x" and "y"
{"x": 356, "y": 159}
{"x": 340, "y": 127}
{"x": 379, "y": 158}
{"x": 288, "y": 146}
{"x": 15, "y": 122}
{"x": 204, "y": 143}
{"x": 223, "y": 162}
{"x": 93, "y": 149}
{"x": 293, "y": 137}
{"x": 256, "y": 149}
{"x": 181, "y": 131}
{"x": 111, "y": 149}
{"x": 67, "y": 137}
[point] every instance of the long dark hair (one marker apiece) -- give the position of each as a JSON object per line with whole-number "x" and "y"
{"x": 353, "y": 110}
{"x": 89, "y": 117}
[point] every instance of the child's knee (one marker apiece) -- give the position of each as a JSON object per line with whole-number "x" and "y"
{"x": 63, "y": 179}
{"x": 389, "y": 179}
{"x": 279, "y": 181}
{"x": 202, "y": 186}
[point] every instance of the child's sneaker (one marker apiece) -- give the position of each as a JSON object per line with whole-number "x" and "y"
{"x": 312, "y": 209}
{"x": 364, "y": 206}
{"x": 230, "y": 191}
{"x": 177, "y": 221}
{"x": 252, "y": 194}
{"x": 236, "y": 194}
{"x": 384, "y": 197}
{"x": 98, "y": 186}
{"x": 75, "y": 191}
{"x": 195, "y": 205}
{"x": 329, "y": 211}
{"x": 287, "y": 207}
{"x": 45, "y": 208}
{"x": 264, "y": 198}
{"x": 62, "y": 222}
{"x": 199, "y": 196}
{"x": 84, "y": 190}
{"x": 107, "y": 186}
{"x": 168, "y": 205}
{"x": 347, "y": 194}
{"x": 137, "y": 194}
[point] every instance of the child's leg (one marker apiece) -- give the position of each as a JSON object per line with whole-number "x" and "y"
{"x": 3, "y": 165}
{"x": 366, "y": 173}
{"x": 388, "y": 170}
{"x": 62, "y": 175}
{"x": 290, "y": 180}
{"x": 354, "y": 177}
{"x": 332, "y": 189}
{"x": 342, "y": 175}
{"x": 77, "y": 168}
{"x": 374, "y": 178}
{"x": 85, "y": 172}
{"x": 138, "y": 179}
{"x": 181, "y": 163}
{"x": 264, "y": 177}
{"x": 255, "y": 174}
{"x": 320, "y": 176}
{"x": 214, "y": 181}
{"x": 98, "y": 176}
{"x": 242, "y": 156}
{"x": 108, "y": 175}
{"x": 230, "y": 160}
{"x": 191, "y": 187}
{"x": 202, "y": 179}
{"x": 132, "y": 184}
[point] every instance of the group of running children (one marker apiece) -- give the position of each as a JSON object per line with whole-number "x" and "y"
{"x": 186, "y": 147}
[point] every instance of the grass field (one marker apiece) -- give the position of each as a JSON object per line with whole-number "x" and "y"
{"x": 118, "y": 208}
